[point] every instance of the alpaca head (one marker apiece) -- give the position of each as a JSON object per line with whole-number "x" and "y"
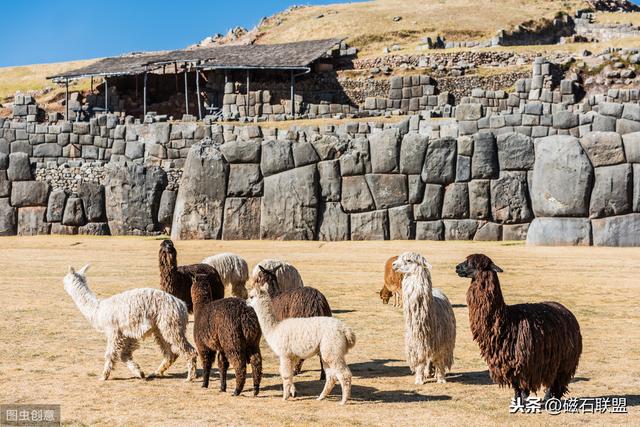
{"x": 267, "y": 277}
{"x": 474, "y": 264}
{"x": 411, "y": 263}
{"x": 201, "y": 292}
{"x": 74, "y": 278}
{"x": 168, "y": 254}
{"x": 385, "y": 295}
{"x": 259, "y": 295}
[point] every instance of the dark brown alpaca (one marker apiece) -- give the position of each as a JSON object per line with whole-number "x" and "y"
{"x": 525, "y": 345}
{"x": 177, "y": 280}
{"x": 230, "y": 327}
{"x": 297, "y": 302}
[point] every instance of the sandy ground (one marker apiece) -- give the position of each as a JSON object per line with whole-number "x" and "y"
{"x": 50, "y": 354}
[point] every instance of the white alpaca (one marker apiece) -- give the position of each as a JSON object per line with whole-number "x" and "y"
{"x": 132, "y": 315}
{"x": 430, "y": 325}
{"x": 233, "y": 271}
{"x": 288, "y": 276}
{"x": 302, "y": 338}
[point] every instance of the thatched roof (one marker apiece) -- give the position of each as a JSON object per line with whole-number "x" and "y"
{"x": 285, "y": 56}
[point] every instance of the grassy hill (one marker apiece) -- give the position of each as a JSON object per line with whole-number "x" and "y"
{"x": 370, "y": 25}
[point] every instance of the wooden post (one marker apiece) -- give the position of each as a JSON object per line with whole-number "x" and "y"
{"x": 198, "y": 94}
{"x": 248, "y": 92}
{"x": 66, "y": 97}
{"x": 186, "y": 92}
{"x": 91, "y": 84}
{"x": 144, "y": 96}
{"x": 293, "y": 95}
{"x": 106, "y": 95}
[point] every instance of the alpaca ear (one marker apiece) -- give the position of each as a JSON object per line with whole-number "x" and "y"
{"x": 427, "y": 266}
{"x": 72, "y": 270}
{"x": 495, "y": 268}
{"x": 264, "y": 270}
{"x": 84, "y": 269}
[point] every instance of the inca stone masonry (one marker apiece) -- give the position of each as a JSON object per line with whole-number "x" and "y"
{"x": 537, "y": 164}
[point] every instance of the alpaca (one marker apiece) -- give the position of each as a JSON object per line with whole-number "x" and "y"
{"x": 229, "y": 327}
{"x": 288, "y": 275}
{"x": 297, "y": 302}
{"x": 177, "y": 280}
{"x": 525, "y": 345}
{"x": 430, "y": 325}
{"x": 233, "y": 270}
{"x": 297, "y": 338}
{"x": 392, "y": 284}
{"x": 132, "y": 315}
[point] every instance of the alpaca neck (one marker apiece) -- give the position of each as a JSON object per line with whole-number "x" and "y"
{"x": 169, "y": 269}
{"x": 84, "y": 298}
{"x": 418, "y": 286}
{"x": 266, "y": 316}
{"x": 486, "y": 303}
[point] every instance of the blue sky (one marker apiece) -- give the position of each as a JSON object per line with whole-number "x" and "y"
{"x": 42, "y": 31}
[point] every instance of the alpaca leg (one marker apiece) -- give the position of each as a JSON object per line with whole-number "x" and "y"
{"x": 178, "y": 344}
{"x": 286, "y": 372}
{"x": 430, "y": 371}
{"x": 441, "y": 373}
{"x": 207, "y": 356}
{"x": 110, "y": 356}
{"x": 239, "y": 363}
{"x": 322, "y": 373}
{"x": 169, "y": 356}
{"x": 126, "y": 356}
{"x": 255, "y": 358}
{"x": 419, "y": 373}
{"x": 329, "y": 383}
{"x": 223, "y": 366}
{"x": 559, "y": 387}
{"x": 298, "y": 368}
{"x": 344, "y": 376}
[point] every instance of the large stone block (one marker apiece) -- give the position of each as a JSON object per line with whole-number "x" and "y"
{"x": 430, "y": 230}
{"x": 239, "y": 151}
{"x": 617, "y": 231}
{"x": 92, "y": 196}
{"x": 416, "y": 188}
{"x": 463, "y": 229}
{"x": 480, "y": 199}
{"x": 559, "y": 232}
{"x": 356, "y": 196}
{"x": 334, "y": 223}
{"x": 29, "y": 193}
{"x": 412, "y": 152}
{"x": 439, "y": 166}
{"x": 304, "y": 154}
{"x": 8, "y": 218}
{"x": 166, "y": 208}
{"x": 565, "y": 120}
{"x": 509, "y": 198}
{"x": 484, "y": 163}
{"x": 603, "y": 148}
{"x": 388, "y": 190}
{"x": 401, "y": 226}
{"x": 370, "y": 226}
{"x": 515, "y": 232}
{"x": 329, "y": 147}
{"x": 201, "y": 197}
{"x": 562, "y": 178}
{"x": 94, "y": 229}
{"x": 515, "y": 151}
{"x": 636, "y": 187}
{"x": 64, "y": 230}
{"x": 32, "y": 221}
{"x": 244, "y": 180}
{"x": 384, "y": 148}
{"x": 624, "y": 126}
{"x": 290, "y": 205}
{"x": 73, "y": 212}
{"x": 468, "y": 112}
{"x": 241, "y": 218}
{"x": 330, "y": 180}
{"x": 19, "y": 167}
{"x": 5, "y": 184}
{"x": 431, "y": 206}
{"x": 632, "y": 147}
{"x": 276, "y": 157}
{"x": 612, "y": 191}
{"x": 456, "y": 201}
{"x": 488, "y": 232}
{"x": 55, "y": 207}
{"x": 356, "y": 160}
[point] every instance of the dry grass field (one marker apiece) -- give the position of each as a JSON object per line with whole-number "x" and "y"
{"x": 50, "y": 354}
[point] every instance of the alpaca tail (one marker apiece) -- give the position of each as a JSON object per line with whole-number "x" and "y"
{"x": 350, "y": 337}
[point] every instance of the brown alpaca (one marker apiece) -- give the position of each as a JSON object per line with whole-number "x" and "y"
{"x": 525, "y": 345}
{"x": 392, "y": 284}
{"x": 296, "y": 302}
{"x": 177, "y": 280}
{"x": 230, "y": 327}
